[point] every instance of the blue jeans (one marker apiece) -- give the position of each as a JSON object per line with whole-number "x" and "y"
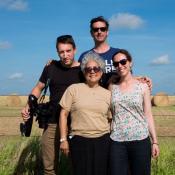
{"x": 135, "y": 155}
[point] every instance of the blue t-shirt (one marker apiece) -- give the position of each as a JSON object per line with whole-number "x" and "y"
{"x": 107, "y": 56}
{"x": 109, "y": 68}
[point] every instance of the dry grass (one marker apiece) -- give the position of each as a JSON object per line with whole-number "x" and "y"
{"x": 14, "y": 100}
{"x": 20, "y": 154}
{"x": 165, "y": 120}
{"x": 10, "y": 118}
{"x": 10, "y": 115}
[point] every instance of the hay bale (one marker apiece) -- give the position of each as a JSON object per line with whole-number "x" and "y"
{"x": 13, "y": 100}
{"x": 171, "y": 100}
{"x": 161, "y": 99}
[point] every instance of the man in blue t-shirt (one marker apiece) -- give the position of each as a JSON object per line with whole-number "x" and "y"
{"x": 99, "y": 29}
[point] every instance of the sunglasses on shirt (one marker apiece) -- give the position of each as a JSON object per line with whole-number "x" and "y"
{"x": 122, "y": 62}
{"x": 102, "y": 29}
{"x": 90, "y": 69}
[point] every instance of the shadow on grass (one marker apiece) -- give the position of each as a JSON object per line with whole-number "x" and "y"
{"x": 30, "y": 162}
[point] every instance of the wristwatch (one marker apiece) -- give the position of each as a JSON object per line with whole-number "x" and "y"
{"x": 63, "y": 139}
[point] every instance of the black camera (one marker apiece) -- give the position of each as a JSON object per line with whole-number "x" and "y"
{"x": 42, "y": 112}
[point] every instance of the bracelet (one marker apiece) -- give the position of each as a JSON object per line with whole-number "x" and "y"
{"x": 155, "y": 143}
{"x": 63, "y": 139}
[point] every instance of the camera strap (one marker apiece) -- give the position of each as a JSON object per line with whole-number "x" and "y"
{"x": 45, "y": 91}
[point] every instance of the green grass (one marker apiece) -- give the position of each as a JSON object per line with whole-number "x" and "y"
{"x": 165, "y": 164}
{"x": 21, "y": 156}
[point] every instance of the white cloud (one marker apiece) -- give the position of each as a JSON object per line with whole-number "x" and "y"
{"x": 125, "y": 20}
{"x": 162, "y": 60}
{"x": 15, "y": 5}
{"x": 16, "y": 76}
{"x": 5, "y": 45}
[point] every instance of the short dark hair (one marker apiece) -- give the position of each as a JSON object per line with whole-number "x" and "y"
{"x": 97, "y": 19}
{"x": 65, "y": 39}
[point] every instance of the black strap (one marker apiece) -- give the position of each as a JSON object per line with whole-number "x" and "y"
{"x": 45, "y": 91}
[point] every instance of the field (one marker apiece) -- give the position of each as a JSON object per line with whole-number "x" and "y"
{"x": 21, "y": 156}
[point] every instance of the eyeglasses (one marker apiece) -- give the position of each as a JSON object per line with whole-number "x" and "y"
{"x": 90, "y": 69}
{"x": 122, "y": 62}
{"x": 102, "y": 29}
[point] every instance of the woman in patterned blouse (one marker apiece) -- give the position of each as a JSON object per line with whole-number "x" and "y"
{"x": 133, "y": 135}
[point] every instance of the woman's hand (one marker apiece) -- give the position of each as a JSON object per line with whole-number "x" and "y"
{"x": 64, "y": 147}
{"x": 146, "y": 80}
{"x": 155, "y": 150}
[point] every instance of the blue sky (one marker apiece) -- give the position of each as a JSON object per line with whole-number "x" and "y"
{"x": 29, "y": 28}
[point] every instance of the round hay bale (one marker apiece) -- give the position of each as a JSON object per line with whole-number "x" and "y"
{"x": 13, "y": 100}
{"x": 161, "y": 99}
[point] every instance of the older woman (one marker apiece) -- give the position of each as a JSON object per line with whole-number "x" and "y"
{"x": 89, "y": 105}
{"x": 133, "y": 123}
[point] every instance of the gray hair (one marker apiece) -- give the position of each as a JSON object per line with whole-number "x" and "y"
{"x": 92, "y": 56}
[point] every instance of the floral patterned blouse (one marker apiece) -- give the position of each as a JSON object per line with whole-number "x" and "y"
{"x": 129, "y": 121}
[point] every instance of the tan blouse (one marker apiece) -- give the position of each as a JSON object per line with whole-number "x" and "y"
{"x": 89, "y": 108}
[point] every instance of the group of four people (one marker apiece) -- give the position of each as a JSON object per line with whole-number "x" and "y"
{"x": 96, "y": 145}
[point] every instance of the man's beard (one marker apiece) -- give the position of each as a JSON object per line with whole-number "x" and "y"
{"x": 67, "y": 65}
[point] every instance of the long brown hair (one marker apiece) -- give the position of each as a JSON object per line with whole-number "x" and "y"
{"x": 115, "y": 78}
